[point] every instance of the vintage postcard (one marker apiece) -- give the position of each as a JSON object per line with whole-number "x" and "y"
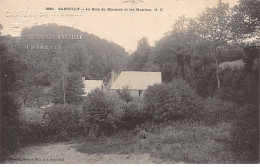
{"x": 129, "y": 81}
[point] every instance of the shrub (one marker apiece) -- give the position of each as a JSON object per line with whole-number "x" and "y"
{"x": 246, "y": 134}
{"x": 171, "y": 101}
{"x": 100, "y": 113}
{"x": 10, "y": 125}
{"x": 238, "y": 86}
{"x": 124, "y": 95}
{"x": 204, "y": 81}
{"x": 63, "y": 122}
{"x": 132, "y": 116}
{"x": 216, "y": 111}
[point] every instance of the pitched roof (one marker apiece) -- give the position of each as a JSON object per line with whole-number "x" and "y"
{"x": 136, "y": 80}
{"x": 238, "y": 64}
{"x": 90, "y": 85}
{"x": 232, "y": 64}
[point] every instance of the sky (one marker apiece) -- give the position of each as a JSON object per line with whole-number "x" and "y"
{"x": 124, "y": 28}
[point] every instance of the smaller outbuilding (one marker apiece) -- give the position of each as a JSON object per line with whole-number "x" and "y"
{"x": 90, "y": 85}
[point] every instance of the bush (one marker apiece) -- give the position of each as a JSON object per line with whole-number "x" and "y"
{"x": 246, "y": 134}
{"x": 216, "y": 111}
{"x": 132, "y": 116}
{"x": 238, "y": 86}
{"x": 100, "y": 113}
{"x": 204, "y": 81}
{"x": 10, "y": 125}
{"x": 63, "y": 122}
{"x": 124, "y": 95}
{"x": 176, "y": 100}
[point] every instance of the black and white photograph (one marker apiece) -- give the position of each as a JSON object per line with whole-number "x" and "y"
{"x": 129, "y": 81}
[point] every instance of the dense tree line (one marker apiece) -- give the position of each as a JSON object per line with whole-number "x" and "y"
{"x": 193, "y": 50}
{"x": 188, "y": 56}
{"x": 10, "y": 124}
{"x": 39, "y": 70}
{"x": 36, "y": 77}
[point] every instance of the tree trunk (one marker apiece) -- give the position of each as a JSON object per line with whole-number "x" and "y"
{"x": 217, "y": 70}
{"x": 183, "y": 71}
{"x": 63, "y": 74}
{"x": 63, "y": 89}
{"x": 188, "y": 63}
{"x": 191, "y": 72}
{"x": 37, "y": 96}
{"x": 181, "y": 63}
{"x": 25, "y": 101}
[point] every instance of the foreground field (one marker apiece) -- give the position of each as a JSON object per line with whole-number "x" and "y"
{"x": 175, "y": 143}
{"x": 65, "y": 153}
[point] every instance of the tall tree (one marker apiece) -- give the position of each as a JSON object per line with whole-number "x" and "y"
{"x": 9, "y": 113}
{"x": 177, "y": 48}
{"x": 246, "y": 19}
{"x": 214, "y": 26}
{"x": 140, "y": 57}
{"x": 73, "y": 88}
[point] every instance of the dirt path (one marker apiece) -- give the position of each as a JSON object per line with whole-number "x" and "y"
{"x": 65, "y": 153}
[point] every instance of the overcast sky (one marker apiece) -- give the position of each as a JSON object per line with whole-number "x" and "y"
{"x": 123, "y": 28}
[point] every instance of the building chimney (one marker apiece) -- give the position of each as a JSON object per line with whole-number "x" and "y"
{"x": 113, "y": 76}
